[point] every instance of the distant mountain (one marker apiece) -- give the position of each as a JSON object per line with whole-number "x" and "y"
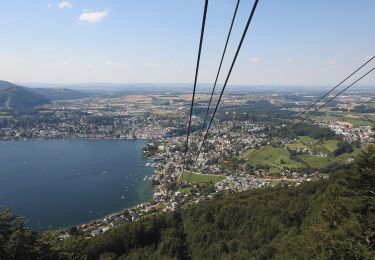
{"x": 14, "y": 97}
{"x": 62, "y": 93}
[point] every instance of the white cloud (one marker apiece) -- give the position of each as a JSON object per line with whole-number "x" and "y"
{"x": 256, "y": 59}
{"x": 49, "y": 5}
{"x": 92, "y": 17}
{"x": 64, "y": 4}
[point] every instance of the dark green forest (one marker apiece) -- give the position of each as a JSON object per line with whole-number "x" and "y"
{"x": 305, "y": 129}
{"x": 327, "y": 219}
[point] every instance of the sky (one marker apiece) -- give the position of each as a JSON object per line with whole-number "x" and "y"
{"x": 290, "y": 42}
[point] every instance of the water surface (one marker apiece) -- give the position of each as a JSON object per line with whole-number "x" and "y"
{"x": 59, "y": 183}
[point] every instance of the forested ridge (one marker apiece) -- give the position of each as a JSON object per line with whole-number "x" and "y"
{"x": 16, "y": 97}
{"x": 328, "y": 219}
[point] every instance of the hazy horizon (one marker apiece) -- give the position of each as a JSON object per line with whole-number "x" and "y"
{"x": 202, "y": 87}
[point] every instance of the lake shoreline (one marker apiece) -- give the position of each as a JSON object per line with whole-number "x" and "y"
{"x": 130, "y": 173}
{"x": 73, "y": 138}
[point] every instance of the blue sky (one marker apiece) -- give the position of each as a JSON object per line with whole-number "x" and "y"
{"x": 299, "y": 42}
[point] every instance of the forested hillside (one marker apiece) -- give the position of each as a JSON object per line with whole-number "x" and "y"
{"x": 13, "y": 97}
{"x": 329, "y": 219}
{"x": 62, "y": 93}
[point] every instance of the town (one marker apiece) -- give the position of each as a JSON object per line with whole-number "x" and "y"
{"x": 236, "y": 156}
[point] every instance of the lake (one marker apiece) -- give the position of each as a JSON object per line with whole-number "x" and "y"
{"x": 60, "y": 183}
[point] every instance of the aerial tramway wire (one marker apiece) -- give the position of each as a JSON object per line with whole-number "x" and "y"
{"x": 319, "y": 99}
{"x": 335, "y": 87}
{"x": 195, "y": 79}
{"x": 338, "y": 94}
{"x": 317, "y": 109}
{"x": 221, "y": 62}
{"x": 227, "y": 78}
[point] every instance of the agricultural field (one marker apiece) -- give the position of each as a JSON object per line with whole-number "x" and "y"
{"x": 305, "y": 139}
{"x": 305, "y": 142}
{"x": 275, "y": 158}
{"x": 201, "y": 178}
{"x": 317, "y": 154}
{"x": 317, "y": 162}
{"x": 355, "y": 119}
{"x": 330, "y": 145}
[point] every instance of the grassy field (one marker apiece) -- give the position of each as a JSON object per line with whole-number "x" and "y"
{"x": 359, "y": 120}
{"x": 305, "y": 139}
{"x": 309, "y": 143}
{"x": 186, "y": 190}
{"x": 317, "y": 162}
{"x": 331, "y": 145}
{"x": 201, "y": 178}
{"x": 298, "y": 146}
{"x": 303, "y": 142}
{"x": 272, "y": 156}
{"x": 274, "y": 170}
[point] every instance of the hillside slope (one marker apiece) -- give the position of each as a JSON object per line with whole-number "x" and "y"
{"x": 329, "y": 219}
{"x": 323, "y": 220}
{"x": 13, "y": 97}
{"x": 62, "y": 93}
